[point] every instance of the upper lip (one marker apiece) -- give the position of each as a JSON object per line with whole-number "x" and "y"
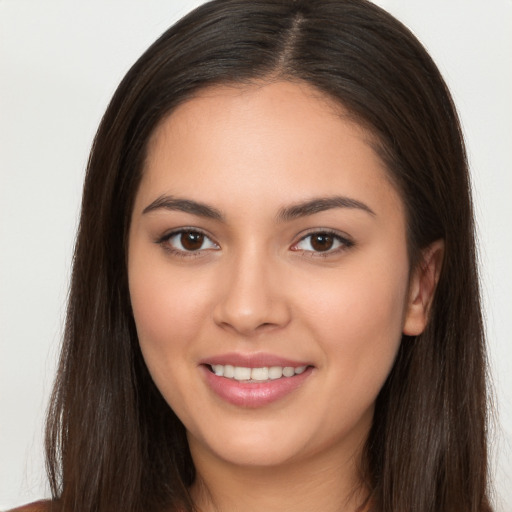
{"x": 256, "y": 360}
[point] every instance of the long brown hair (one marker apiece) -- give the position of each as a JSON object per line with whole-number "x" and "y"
{"x": 112, "y": 441}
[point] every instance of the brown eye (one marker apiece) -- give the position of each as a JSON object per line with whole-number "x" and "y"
{"x": 192, "y": 240}
{"x": 322, "y": 242}
{"x": 188, "y": 241}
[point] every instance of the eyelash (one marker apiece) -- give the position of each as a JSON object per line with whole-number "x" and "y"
{"x": 344, "y": 243}
{"x": 164, "y": 241}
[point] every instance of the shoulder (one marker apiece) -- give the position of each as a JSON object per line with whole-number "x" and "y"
{"x": 38, "y": 506}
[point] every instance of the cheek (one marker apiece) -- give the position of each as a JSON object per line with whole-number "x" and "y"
{"x": 168, "y": 309}
{"x": 357, "y": 317}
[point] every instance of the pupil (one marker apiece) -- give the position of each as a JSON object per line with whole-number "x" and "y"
{"x": 322, "y": 242}
{"x": 192, "y": 241}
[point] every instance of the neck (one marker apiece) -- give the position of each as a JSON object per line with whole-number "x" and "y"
{"x": 313, "y": 484}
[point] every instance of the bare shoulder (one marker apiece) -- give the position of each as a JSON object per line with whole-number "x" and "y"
{"x": 37, "y": 506}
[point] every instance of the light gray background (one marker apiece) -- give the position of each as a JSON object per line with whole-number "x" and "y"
{"x": 60, "y": 62}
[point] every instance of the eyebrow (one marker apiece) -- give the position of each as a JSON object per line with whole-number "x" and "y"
{"x": 288, "y": 213}
{"x": 184, "y": 205}
{"x": 322, "y": 204}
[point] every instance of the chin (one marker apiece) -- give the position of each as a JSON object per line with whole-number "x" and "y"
{"x": 245, "y": 452}
{"x": 279, "y": 441}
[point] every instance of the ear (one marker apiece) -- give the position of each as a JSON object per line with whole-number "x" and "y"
{"x": 422, "y": 286}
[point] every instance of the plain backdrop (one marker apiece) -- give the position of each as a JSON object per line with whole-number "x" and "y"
{"x": 60, "y": 62}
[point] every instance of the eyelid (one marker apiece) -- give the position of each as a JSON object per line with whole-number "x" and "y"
{"x": 345, "y": 242}
{"x": 164, "y": 239}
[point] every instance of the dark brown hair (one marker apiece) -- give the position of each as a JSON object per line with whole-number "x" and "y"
{"x": 112, "y": 441}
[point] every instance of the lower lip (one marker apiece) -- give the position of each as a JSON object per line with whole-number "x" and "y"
{"x": 253, "y": 394}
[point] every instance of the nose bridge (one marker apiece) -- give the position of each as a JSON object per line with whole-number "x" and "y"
{"x": 251, "y": 297}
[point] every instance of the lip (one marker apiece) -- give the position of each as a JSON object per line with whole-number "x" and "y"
{"x": 253, "y": 394}
{"x": 256, "y": 360}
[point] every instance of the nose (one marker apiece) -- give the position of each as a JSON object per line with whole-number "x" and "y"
{"x": 252, "y": 296}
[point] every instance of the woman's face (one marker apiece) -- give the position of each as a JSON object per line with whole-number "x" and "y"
{"x": 268, "y": 274}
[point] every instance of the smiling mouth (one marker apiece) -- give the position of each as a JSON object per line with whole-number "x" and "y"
{"x": 265, "y": 373}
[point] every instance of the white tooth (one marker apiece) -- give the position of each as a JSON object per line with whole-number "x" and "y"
{"x": 241, "y": 373}
{"x": 229, "y": 371}
{"x": 299, "y": 370}
{"x": 275, "y": 372}
{"x": 288, "y": 371}
{"x": 259, "y": 373}
{"x": 218, "y": 369}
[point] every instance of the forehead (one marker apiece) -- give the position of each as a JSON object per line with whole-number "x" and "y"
{"x": 269, "y": 140}
{"x": 259, "y": 108}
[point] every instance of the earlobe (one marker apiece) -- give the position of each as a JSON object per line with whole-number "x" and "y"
{"x": 422, "y": 287}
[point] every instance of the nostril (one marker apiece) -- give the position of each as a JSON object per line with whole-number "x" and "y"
{"x": 266, "y": 325}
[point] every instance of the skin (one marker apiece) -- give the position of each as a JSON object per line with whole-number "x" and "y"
{"x": 257, "y": 285}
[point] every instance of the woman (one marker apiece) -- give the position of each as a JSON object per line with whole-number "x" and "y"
{"x": 274, "y": 299}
